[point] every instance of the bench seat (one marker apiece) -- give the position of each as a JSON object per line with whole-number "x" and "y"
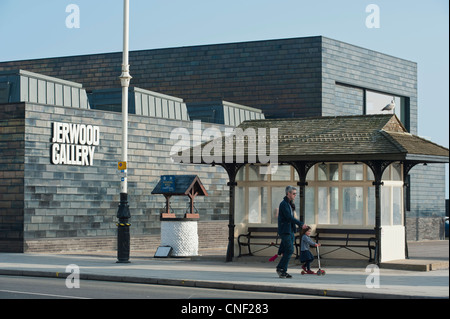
{"x": 347, "y": 239}
{"x": 262, "y": 236}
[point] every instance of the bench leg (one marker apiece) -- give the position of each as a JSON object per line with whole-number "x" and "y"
{"x": 240, "y": 249}
{"x": 372, "y": 248}
{"x": 240, "y": 244}
{"x": 249, "y": 249}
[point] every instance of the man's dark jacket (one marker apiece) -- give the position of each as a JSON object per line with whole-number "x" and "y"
{"x": 286, "y": 220}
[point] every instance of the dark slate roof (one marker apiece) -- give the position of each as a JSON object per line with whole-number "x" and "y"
{"x": 343, "y": 138}
{"x": 183, "y": 185}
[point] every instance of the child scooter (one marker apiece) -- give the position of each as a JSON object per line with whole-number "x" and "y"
{"x": 319, "y": 272}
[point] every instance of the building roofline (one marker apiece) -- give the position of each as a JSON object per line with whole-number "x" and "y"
{"x": 165, "y": 48}
{"x": 364, "y": 48}
{"x": 211, "y": 45}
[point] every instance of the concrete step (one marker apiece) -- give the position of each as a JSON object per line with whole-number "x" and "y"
{"x": 415, "y": 264}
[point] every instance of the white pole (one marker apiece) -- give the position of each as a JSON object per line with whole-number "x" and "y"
{"x": 123, "y": 213}
{"x": 125, "y": 82}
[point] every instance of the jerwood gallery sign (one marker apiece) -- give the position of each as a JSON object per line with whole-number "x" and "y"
{"x": 74, "y": 144}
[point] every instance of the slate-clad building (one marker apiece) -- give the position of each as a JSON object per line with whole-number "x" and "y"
{"x": 47, "y": 207}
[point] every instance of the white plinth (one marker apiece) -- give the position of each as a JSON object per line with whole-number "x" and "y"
{"x": 182, "y": 236}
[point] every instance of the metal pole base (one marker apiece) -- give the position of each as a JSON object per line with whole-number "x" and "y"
{"x": 230, "y": 248}
{"x": 123, "y": 230}
{"x": 123, "y": 243}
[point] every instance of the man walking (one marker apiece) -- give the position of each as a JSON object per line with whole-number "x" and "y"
{"x": 286, "y": 230}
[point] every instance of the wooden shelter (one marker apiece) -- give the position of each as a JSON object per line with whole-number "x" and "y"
{"x": 375, "y": 140}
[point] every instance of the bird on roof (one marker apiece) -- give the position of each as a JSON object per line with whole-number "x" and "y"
{"x": 390, "y": 106}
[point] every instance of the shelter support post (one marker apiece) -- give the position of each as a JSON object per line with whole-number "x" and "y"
{"x": 302, "y": 169}
{"x": 230, "y": 249}
{"x": 378, "y": 168}
{"x": 232, "y": 170}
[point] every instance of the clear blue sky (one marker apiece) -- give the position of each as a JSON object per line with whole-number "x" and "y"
{"x": 415, "y": 30}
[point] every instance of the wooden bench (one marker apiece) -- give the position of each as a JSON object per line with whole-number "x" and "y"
{"x": 347, "y": 239}
{"x": 263, "y": 236}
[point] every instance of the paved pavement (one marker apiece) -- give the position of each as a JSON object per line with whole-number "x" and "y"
{"x": 211, "y": 271}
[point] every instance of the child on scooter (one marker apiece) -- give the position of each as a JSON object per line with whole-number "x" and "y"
{"x": 306, "y": 257}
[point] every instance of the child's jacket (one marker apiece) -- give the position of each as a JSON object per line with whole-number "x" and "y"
{"x": 306, "y": 242}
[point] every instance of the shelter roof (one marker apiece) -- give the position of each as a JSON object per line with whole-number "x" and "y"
{"x": 339, "y": 138}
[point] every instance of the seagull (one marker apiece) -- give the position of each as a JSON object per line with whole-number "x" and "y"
{"x": 390, "y": 106}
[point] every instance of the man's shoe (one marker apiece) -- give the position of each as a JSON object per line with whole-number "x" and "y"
{"x": 279, "y": 272}
{"x": 285, "y": 275}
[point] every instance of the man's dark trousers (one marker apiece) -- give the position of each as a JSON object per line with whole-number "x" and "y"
{"x": 287, "y": 242}
{"x": 286, "y": 230}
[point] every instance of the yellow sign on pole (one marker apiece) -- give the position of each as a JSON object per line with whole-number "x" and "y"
{"x": 122, "y": 166}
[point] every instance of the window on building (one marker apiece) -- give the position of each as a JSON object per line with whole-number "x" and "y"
{"x": 4, "y": 91}
{"x": 353, "y": 100}
{"x": 328, "y": 172}
{"x": 397, "y": 205}
{"x": 337, "y": 194}
{"x": 386, "y": 205}
{"x": 352, "y": 172}
{"x": 353, "y": 206}
{"x": 240, "y": 203}
{"x": 376, "y": 101}
{"x": 277, "y": 192}
{"x": 328, "y": 205}
{"x": 283, "y": 173}
{"x": 310, "y": 199}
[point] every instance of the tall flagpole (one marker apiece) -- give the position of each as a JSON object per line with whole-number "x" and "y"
{"x": 123, "y": 213}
